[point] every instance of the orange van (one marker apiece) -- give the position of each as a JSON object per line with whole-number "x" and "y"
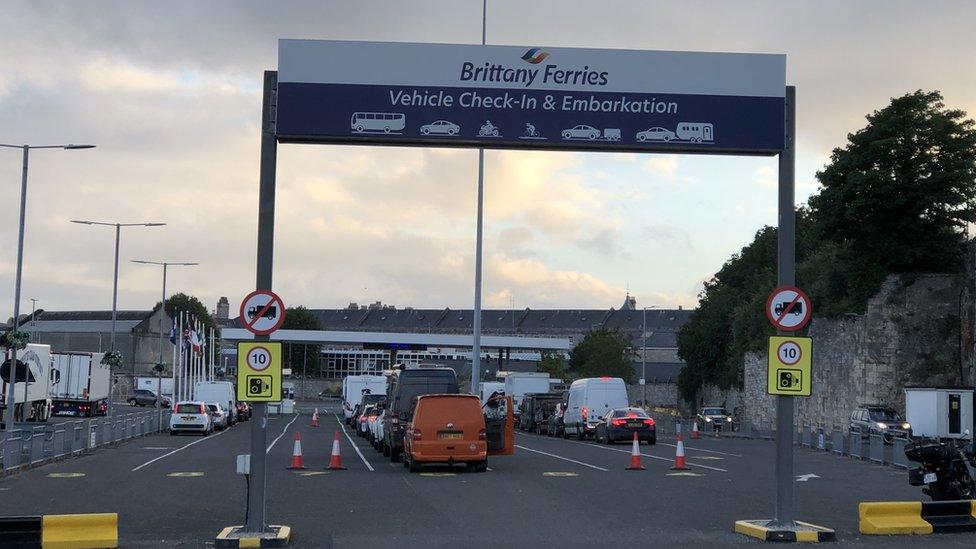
{"x": 454, "y": 429}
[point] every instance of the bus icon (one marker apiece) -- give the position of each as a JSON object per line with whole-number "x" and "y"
{"x": 372, "y": 122}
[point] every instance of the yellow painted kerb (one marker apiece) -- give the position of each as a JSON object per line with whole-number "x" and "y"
{"x": 87, "y": 531}
{"x": 892, "y": 517}
{"x": 750, "y": 529}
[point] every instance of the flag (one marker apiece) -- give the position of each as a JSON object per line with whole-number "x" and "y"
{"x": 172, "y": 332}
{"x": 195, "y": 336}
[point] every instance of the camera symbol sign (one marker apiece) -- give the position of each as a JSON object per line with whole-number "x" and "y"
{"x": 789, "y": 366}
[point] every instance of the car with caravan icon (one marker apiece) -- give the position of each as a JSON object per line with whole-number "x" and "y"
{"x": 440, "y": 127}
{"x": 657, "y": 133}
{"x": 364, "y": 122}
{"x": 695, "y": 132}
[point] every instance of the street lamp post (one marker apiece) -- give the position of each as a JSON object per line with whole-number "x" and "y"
{"x": 33, "y": 322}
{"x": 644, "y": 354}
{"x": 115, "y": 287}
{"x": 162, "y": 306}
{"x": 8, "y": 415}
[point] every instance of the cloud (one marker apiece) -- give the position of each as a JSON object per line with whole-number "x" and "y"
{"x": 663, "y": 166}
{"x": 767, "y": 176}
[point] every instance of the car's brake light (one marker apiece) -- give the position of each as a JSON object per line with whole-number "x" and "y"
{"x": 202, "y": 409}
{"x": 583, "y": 412}
{"x": 394, "y": 420}
{"x": 618, "y": 422}
{"x": 482, "y": 434}
{"x": 417, "y": 434}
{"x": 649, "y": 422}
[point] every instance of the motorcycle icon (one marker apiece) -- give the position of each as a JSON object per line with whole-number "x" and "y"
{"x": 488, "y": 130}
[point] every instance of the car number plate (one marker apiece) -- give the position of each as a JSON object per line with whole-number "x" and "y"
{"x": 188, "y": 418}
{"x": 632, "y": 424}
{"x": 450, "y": 436}
{"x": 929, "y": 478}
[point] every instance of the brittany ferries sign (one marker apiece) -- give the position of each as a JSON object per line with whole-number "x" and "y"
{"x": 448, "y": 95}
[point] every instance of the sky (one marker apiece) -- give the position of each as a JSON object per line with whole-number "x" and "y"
{"x": 170, "y": 92}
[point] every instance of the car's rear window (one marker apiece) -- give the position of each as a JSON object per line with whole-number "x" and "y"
{"x": 187, "y": 408}
{"x": 449, "y": 407}
{"x": 629, "y": 413}
{"x": 212, "y": 407}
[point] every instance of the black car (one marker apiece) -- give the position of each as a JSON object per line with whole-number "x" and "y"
{"x": 145, "y": 397}
{"x": 403, "y": 387}
{"x": 713, "y": 418}
{"x": 879, "y": 420}
{"x": 620, "y": 424}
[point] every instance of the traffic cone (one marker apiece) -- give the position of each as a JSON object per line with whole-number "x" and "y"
{"x": 296, "y": 455}
{"x": 315, "y": 418}
{"x": 695, "y": 435}
{"x": 717, "y": 429}
{"x": 679, "y": 454}
{"x": 335, "y": 463}
{"x": 635, "y": 456}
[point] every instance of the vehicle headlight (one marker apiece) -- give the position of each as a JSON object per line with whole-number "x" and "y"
{"x": 729, "y": 419}
{"x": 708, "y": 420}
{"x": 906, "y": 425}
{"x": 882, "y": 425}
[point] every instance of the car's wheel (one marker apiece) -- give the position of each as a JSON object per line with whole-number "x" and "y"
{"x": 386, "y": 129}
{"x": 385, "y": 449}
{"x": 425, "y": 131}
{"x": 566, "y": 135}
{"x": 172, "y": 433}
{"x": 667, "y": 138}
{"x": 452, "y": 131}
{"x": 580, "y": 435}
{"x": 360, "y": 128}
{"x": 641, "y": 137}
{"x": 592, "y": 136}
{"x": 132, "y": 402}
{"x": 412, "y": 466}
{"x": 652, "y": 440}
{"x": 481, "y": 466}
{"x": 609, "y": 440}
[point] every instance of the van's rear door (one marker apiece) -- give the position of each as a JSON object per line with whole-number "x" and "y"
{"x": 500, "y": 426}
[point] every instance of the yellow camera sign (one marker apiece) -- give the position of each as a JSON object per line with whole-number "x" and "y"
{"x": 789, "y": 366}
{"x": 259, "y": 372}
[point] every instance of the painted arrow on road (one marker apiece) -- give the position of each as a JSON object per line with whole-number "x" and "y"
{"x": 806, "y": 477}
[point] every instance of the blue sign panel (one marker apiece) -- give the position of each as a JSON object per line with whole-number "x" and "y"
{"x": 510, "y": 97}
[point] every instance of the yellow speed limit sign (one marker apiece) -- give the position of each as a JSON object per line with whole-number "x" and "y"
{"x": 259, "y": 372}
{"x": 789, "y": 366}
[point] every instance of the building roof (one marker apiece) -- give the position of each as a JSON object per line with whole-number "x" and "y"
{"x": 46, "y": 316}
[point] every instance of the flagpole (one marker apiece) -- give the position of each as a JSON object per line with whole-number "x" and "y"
{"x": 172, "y": 329}
{"x": 179, "y": 355}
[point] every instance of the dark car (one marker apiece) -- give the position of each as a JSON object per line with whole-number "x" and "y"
{"x": 403, "y": 387}
{"x": 879, "y": 420}
{"x": 532, "y": 410}
{"x": 145, "y": 397}
{"x": 714, "y": 418}
{"x": 620, "y": 424}
{"x": 369, "y": 399}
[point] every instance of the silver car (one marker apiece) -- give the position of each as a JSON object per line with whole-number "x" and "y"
{"x": 656, "y": 134}
{"x": 440, "y": 127}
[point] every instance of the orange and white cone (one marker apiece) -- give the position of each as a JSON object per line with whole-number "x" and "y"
{"x": 335, "y": 463}
{"x": 296, "y": 456}
{"x": 315, "y": 418}
{"x": 679, "y": 454}
{"x": 717, "y": 429}
{"x": 695, "y": 434}
{"x": 635, "y": 456}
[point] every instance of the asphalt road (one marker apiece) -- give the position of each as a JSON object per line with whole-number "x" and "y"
{"x": 180, "y": 491}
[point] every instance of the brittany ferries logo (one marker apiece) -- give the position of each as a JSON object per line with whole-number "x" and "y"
{"x": 535, "y": 55}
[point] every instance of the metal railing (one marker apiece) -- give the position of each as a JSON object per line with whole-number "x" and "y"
{"x": 32, "y": 446}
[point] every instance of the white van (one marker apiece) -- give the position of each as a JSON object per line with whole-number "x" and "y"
{"x": 352, "y": 391}
{"x": 218, "y": 392}
{"x": 589, "y": 399}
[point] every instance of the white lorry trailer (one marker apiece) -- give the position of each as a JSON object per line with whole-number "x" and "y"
{"x": 489, "y": 388}
{"x": 32, "y": 384}
{"x": 517, "y": 384}
{"x": 352, "y": 391}
{"x": 79, "y": 384}
{"x": 939, "y": 412}
{"x": 150, "y": 383}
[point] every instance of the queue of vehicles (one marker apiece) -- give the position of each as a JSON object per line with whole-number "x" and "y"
{"x": 214, "y": 407}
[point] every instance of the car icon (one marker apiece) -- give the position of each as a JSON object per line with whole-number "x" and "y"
{"x": 656, "y": 133}
{"x": 440, "y": 127}
{"x": 581, "y": 132}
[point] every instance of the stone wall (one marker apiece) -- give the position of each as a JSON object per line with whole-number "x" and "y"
{"x": 910, "y": 335}
{"x": 658, "y": 394}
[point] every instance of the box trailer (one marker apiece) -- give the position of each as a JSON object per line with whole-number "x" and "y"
{"x": 939, "y": 412}
{"x": 32, "y": 384}
{"x": 517, "y": 384}
{"x": 151, "y": 383}
{"x": 80, "y": 384}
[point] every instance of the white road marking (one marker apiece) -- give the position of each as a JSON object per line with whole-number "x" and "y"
{"x": 702, "y": 450}
{"x": 354, "y": 447}
{"x": 275, "y": 441}
{"x": 167, "y": 454}
{"x": 563, "y": 458}
{"x": 593, "y": 445}
{"x": 156, "y": 447}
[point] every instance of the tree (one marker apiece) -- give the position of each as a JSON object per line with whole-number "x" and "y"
{"x": 898, "y": 196}
{"x": 553, "y": 364}
{"x": 603, "y": 353}
{"x": 300, "y": 318}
